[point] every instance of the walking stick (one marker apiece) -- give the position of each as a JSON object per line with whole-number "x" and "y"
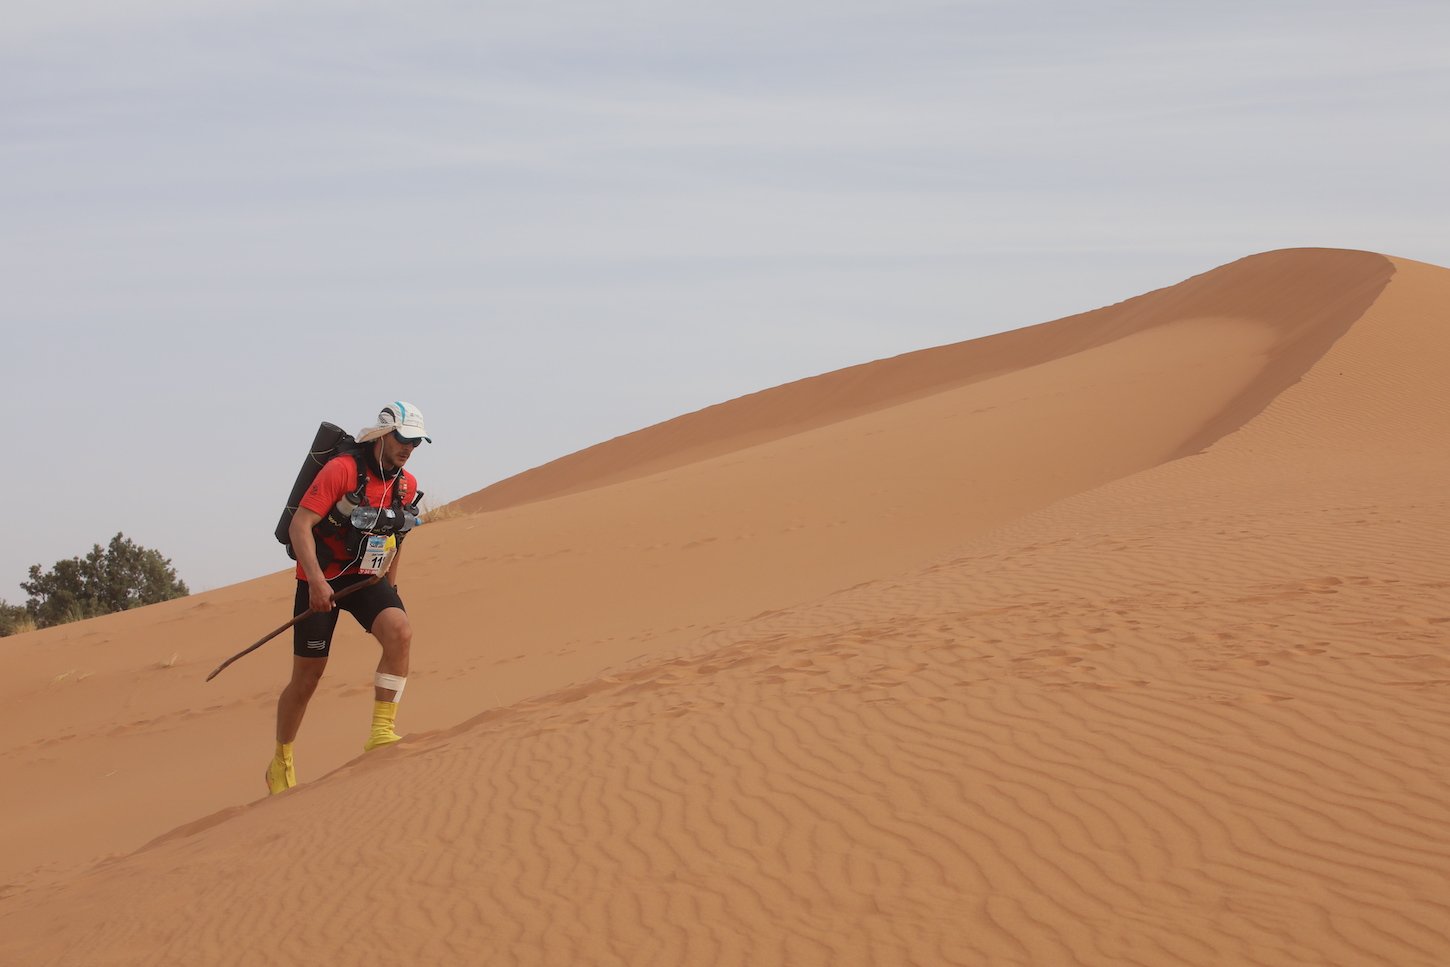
{"x": 266, "y": 638}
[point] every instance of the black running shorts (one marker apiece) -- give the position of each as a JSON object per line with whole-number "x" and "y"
{"x": 312, "y": 636}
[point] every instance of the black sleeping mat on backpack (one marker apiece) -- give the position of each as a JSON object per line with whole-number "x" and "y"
{"x": 328, "y": 443}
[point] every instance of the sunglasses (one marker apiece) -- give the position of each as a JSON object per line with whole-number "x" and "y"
{"x": 406, "y": 440}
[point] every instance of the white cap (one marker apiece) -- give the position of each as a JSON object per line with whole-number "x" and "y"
{"x": 406, "y": 418}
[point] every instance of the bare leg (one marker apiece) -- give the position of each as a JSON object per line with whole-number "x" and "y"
{"x": 394, "y": 632}
{"x": 292, "y": 704}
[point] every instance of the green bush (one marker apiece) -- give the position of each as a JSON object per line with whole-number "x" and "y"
{"x": 14, "y": 619}
{"x": 118, "y": 577}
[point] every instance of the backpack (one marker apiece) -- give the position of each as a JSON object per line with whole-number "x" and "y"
{"x": 329, "y": 442}
{"x": 332, "y": 441}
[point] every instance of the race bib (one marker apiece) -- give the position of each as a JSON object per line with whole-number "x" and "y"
{"x": 378, "y": 554}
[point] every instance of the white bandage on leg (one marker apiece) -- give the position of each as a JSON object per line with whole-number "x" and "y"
{"x": 391, "y": 683}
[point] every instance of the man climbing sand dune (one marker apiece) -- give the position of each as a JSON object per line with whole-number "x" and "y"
{"x": 348, "y": 530}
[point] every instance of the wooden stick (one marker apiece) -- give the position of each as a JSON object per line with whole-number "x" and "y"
{"x": 266, "y": 638}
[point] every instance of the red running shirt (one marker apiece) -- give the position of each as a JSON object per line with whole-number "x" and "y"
{"x": 338, "y": 477}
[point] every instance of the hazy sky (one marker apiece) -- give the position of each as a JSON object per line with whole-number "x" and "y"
{"x": 550, "y": 223}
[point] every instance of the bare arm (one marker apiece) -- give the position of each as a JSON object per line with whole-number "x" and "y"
{"x": 319, "y": 592}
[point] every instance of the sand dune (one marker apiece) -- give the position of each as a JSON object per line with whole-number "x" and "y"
{"x": 1117, "y": 640}
{"x": 1298, "y": 301}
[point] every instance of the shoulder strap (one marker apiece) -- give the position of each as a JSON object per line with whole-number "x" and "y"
{"x": 400, "y": 481}
{"x": 400, "y": 491}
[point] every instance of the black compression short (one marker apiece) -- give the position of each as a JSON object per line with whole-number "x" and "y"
{"x": 312, "y": 636}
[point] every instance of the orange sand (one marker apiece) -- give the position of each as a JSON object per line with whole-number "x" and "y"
{"x": 1115, "y": 640}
